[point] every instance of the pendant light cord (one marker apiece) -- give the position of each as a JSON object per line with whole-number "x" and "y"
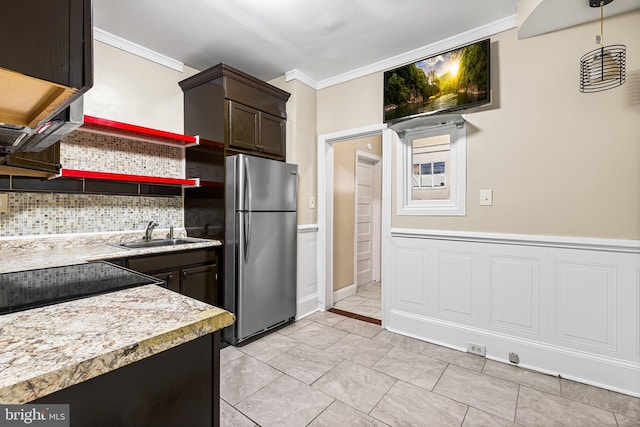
{"x": 601, "y": 22}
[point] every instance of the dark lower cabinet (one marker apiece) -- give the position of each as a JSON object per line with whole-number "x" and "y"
{"x": 176, "y": 387}
{"x": 193, "y": 273}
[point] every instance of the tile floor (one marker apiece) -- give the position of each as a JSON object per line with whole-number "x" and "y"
{"x": 366, "y": 302}
{"x": 330, "y": 370}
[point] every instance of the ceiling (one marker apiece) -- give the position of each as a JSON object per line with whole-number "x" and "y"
{"x": 320, "y": 39}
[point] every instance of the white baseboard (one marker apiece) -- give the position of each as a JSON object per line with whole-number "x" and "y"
{"x": 345, "y": 292}
{"x": 307, "y": 306}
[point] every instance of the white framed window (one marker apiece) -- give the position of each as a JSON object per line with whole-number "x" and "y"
{"x": 432, "y": 171}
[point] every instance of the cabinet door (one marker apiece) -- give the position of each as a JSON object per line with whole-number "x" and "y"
{"x": 243, "y": 126}
{"x": 171, "y": 278}
{"x": 200, "y": 283}
{"x": 272, "y": 134}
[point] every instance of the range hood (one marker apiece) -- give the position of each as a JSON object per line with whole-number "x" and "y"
{"x": 15, "y": 138}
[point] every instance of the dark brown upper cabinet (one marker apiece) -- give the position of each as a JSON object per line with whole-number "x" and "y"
{"x": 47, "y": 58}
{"x": 241, "y": 112}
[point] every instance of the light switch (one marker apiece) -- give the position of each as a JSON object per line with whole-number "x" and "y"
{"x": 4, "y": 202}
{"x": 486, "y": 197}
{"x": 312, "y": 202}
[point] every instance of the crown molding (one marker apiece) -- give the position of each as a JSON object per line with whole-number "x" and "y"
{"x": 423, "y": 52}
{"x": 136, "y": 49}
{"x": 296, "y": 74}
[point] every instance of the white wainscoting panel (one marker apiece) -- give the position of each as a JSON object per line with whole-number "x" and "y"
{"x": 515, "y": 293}
{"x": 458, "y": 284}
{"x": 409, "y": 265}
{"x": 568, "y": 307}
{"x": 586, "y": 304}
{"x": 307, "y": 266}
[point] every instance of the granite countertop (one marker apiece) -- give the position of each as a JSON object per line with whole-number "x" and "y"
{"x": 49, "y": 348}
{"x": 20, "y": 254}
{"x": 46, "y": 349}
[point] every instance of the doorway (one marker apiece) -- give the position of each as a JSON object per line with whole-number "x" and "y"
{"x": 331, "y": 243}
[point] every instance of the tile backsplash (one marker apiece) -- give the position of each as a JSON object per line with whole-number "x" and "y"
{"x": 46, "y": 213}
{"x": 108, "y": 153}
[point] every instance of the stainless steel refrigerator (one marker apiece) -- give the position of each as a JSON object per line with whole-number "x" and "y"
{"x": 260, "y": 244}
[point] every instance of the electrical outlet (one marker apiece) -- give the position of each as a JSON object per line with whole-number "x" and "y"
{"x": 4, "y": 202}
{"x": 478, "y": 349}
{"x": 312, "y": 202}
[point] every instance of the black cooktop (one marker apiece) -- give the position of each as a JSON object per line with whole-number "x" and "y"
{"x": 35, "y": 288}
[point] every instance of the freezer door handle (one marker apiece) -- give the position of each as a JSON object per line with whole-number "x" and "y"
{"x": 248, "y": 196}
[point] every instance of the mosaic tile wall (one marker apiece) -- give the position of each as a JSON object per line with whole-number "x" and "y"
{"x": 108, "y": 153}
{"x": 45, "y": 213}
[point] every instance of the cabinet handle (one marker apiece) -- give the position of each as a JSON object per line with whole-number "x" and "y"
{"x": 170, "y": 278}
{"x": 185, "y": 274}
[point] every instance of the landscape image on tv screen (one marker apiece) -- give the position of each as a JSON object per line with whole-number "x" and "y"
{"x": 449, "y": 81}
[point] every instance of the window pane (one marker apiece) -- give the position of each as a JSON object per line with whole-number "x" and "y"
{"x": 429, "y": 173}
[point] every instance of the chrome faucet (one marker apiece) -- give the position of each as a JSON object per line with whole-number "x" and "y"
{"x": 150, "y": 226}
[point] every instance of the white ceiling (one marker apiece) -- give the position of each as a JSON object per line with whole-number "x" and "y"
{"x": 321, "y": 39}
{"x": 267, "y": 38}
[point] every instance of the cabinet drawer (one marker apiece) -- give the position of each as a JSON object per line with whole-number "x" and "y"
{"x": 153, "y": 263}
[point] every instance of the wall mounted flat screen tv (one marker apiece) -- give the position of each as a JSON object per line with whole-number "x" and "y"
{"x": 449, "y": 81}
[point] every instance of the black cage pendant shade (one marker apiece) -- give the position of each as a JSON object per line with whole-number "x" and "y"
{"x": 605, "y": 67}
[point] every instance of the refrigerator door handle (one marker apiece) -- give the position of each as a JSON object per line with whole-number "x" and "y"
{"x": 247, "y": 235}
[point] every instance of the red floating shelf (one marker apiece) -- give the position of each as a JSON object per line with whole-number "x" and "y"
{"x": 74, "y": 173}
{"x": 140, "y": 133}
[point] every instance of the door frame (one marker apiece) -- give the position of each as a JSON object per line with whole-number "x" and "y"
{"x": 375, "y": 160}
{"x": 325, "y": 205}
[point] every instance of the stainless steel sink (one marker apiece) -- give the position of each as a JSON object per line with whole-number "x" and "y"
{"x": 140, "y": 244}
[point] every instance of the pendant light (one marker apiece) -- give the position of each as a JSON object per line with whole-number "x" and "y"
{"x": 605, "y": 67}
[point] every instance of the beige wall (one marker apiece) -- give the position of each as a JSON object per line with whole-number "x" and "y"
{"x": 134, "y": 90}
{"x": 301, "y": 142}
{"x": 344, "y": 205}
{"x": 558, "y": 161}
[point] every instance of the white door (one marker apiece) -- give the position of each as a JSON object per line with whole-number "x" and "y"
{"x": 364, "y": 222}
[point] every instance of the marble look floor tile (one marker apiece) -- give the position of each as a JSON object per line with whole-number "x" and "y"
{"x": 359, "y": 309}
{"x": 228, "y": 354}
{"x": 231, "y": 417}
{"x": 285, "y": 402}
{"x": 363, "y": 351}
{"x": 355, "y": 385}
{"x": 325, "y": 317}
{"x": 619, "y": 403}
{"x": 536, "y": 408}
{"x": 298, "y": 324}
{"x": 353, "y": 299}
{"x": 305, "y": 363}
{"x": 416, "y": 369}
{"x": 408, "y": 405}
{"x": 318, "y": 335}
{"x": 358, "y": 327}
{"x": 626, "y": 421}
{"x": 339, "y": 414}
{"x": 269, "y": 347}
{"x": 537, "y": 380}
{"x": 478, "y": 418}
{"x": 373, "y": 294}
{"x": 460, "y": 358}
{"x": 489, "y": 394}
{"x": 244, "y": 376}
{"x": 401, "y": 341}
